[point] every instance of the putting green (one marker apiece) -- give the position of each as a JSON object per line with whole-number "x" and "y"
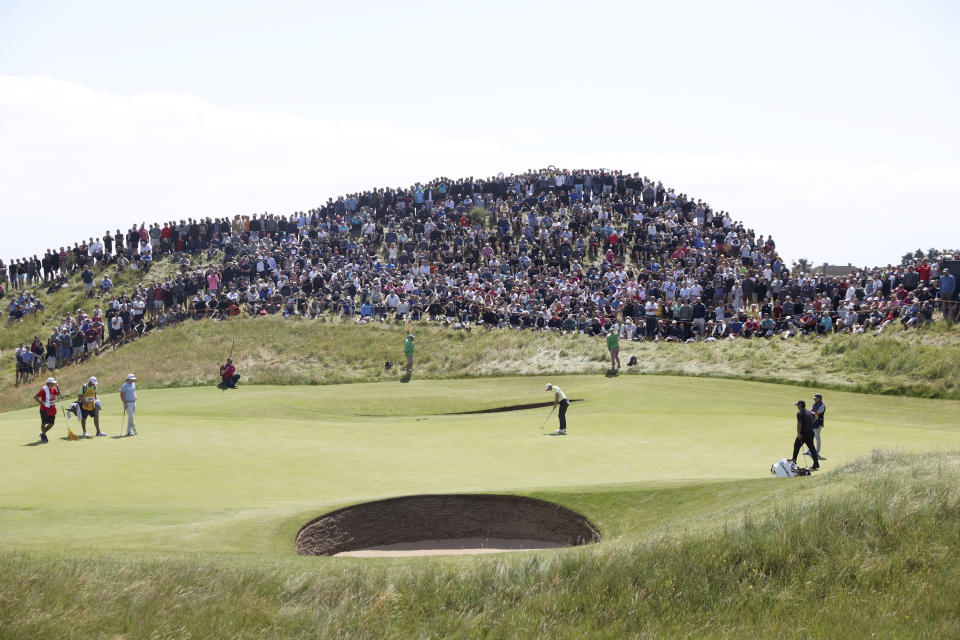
{"x": 242, "y": 470}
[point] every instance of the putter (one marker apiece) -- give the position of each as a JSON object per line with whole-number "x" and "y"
{"x": 60, "y": 402}
{"x": 230, "y": 357}
{"x": 548, "y": 418}
{"x": 123, "y": 417}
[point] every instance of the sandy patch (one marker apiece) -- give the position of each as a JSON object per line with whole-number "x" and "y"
{"x": 453, "y": 546}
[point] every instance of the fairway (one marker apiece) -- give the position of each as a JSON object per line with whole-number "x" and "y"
{"x": 241, "y": 471}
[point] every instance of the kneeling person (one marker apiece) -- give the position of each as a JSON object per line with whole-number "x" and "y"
{"x": 228, "y": 375}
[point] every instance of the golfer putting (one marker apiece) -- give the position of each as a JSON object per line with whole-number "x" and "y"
{"x": 559, "y": 398}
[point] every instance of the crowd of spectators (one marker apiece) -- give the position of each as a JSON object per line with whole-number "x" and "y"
{"x": 21, "y": 305}
{"x": 584, "y": 251}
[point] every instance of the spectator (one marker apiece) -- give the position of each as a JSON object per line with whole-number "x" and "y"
{"x": 948, "y": 290}
{"x": 86, "y": 276}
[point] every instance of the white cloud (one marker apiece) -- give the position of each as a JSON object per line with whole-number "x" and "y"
{"x": 83, "y": 161}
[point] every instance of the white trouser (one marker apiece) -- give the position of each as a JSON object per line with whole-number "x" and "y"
{"x": 131, "y": 409}
{"x": 816, "y": 437}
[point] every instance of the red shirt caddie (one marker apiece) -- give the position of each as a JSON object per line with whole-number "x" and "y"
{"x": 48, "y": 400}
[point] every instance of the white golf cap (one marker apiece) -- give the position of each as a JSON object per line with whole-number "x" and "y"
{"x": 547, "y": 387}
{"x": 130, "y": 376}
{"x": 93, "y": 380}
{"x": 51, "y": 381}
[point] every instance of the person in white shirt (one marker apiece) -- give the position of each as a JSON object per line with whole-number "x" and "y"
{"x": 138, "y": 307}
{"x": 116, "y": 327}
{"x": 392, "y": 301}
{"x": 669, "y": 289}
{"x": 650, "y": 316}
{"x": 128, "y": 396}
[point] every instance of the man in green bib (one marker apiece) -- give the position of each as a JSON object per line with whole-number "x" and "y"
{"x": 408, "y": 351}
{"x": 613, "y": 345}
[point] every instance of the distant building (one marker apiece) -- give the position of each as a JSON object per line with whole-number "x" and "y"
{"x": 836, "y": 270}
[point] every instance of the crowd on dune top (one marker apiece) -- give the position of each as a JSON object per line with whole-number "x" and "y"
{"x": 557, "y": 250}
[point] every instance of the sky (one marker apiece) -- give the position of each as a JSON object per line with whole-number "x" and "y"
{"x": 830, "y": 125}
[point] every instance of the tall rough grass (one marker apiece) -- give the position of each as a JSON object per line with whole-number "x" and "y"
{"x": 275, "y": 350}
{"x": 878, "y": 558}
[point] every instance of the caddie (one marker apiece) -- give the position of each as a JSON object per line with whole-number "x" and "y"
{"x": 47, "y": 399}
{"x": 88, "y": 401}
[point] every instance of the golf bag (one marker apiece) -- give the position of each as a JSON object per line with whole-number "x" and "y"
{"x": 787, "y": 468}
{"x": 74, "y": 409}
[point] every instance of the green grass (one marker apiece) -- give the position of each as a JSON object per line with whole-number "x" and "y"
{"x": 868, "y": 550}
{"x": 187, "y": 530}
{"x": 243, "y": 470}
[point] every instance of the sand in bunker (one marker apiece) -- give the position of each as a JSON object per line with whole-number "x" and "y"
{"x": 453, "y": 546}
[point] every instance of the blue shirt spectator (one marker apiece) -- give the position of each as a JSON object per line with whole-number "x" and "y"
{"x": 948, "y": 283}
